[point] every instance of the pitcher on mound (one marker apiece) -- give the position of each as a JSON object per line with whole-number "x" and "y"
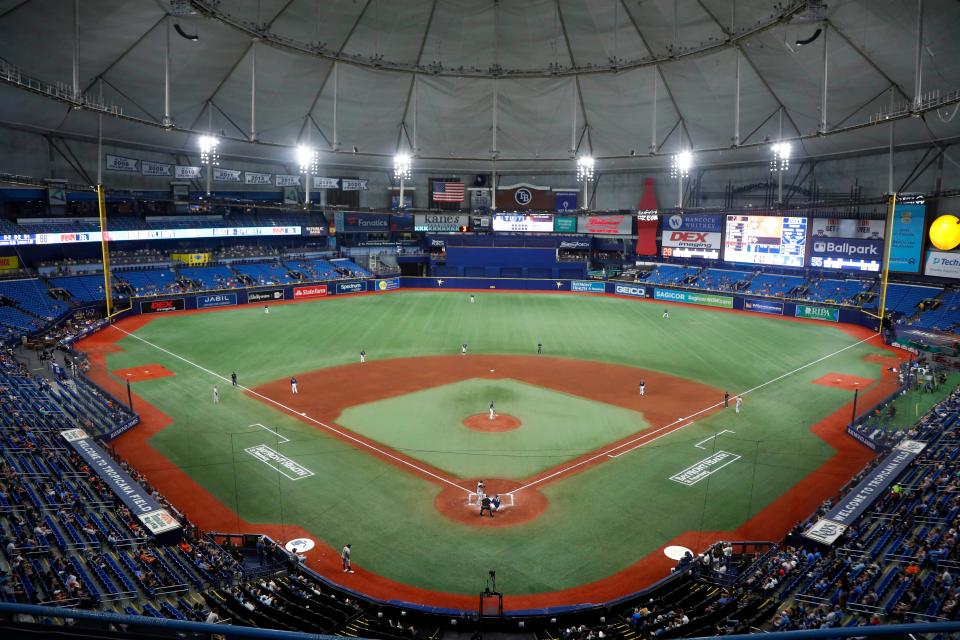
{"x": 493, "y": 413}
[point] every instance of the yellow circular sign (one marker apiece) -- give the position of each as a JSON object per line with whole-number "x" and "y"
{"x": 945, "y": 232}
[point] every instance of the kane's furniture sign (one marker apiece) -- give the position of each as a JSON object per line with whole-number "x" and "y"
{"x": 439, "y": 222}
{"x": 148, "y": 511}
{"x": 706, "y": 299}
{"x": 817, "y": 313}
{"x": 161, "y": 306}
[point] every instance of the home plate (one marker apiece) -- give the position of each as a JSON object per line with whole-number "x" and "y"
{"x": 675, "y": 552}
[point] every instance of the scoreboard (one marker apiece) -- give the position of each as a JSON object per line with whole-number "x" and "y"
{"x": 765, "y": 240}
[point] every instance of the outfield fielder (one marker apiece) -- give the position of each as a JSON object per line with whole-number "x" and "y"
{"x": 666, "y": 314}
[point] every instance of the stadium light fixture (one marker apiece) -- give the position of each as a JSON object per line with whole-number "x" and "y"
{"x": 681, "y": 164}
{"x": 208, "y": 150}
{"x": 585, "y": 166}
{"x": 402, "y": 166}
{"x": 781, "y": 156}
{"x": 308, "y": 158}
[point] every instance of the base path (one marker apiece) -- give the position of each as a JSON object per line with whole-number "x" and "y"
{"x": 500, "y": 422}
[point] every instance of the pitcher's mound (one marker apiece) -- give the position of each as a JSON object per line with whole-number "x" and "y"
{"x": 482, "y": 422}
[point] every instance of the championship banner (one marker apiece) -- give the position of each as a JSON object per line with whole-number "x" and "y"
{"x": 226, "y": 175}
{"x": 252, "y": 177}
{"x": 138, "y": 500}
{"x": 184, "y": 172}
{"x": 619, "y": 225}
{"x": 351, "y": 184}
{"x": 319, "y": 182}
{"x": 817, "y": 313}
{"x": 119, "y": 163}
{"x": 706, "y": 299}
{"x": 906, "y": 242}
{"x": 216, "y": 300}
{"x": 438, "y": 222}
{"x": 285, "y": 180}
{"x": 193, "y": 259}
{"x": 942, "y": 264}
{"x": 692, "y": 236}
{"x": 9, "y": 263}
{"x": 148, "y": 168}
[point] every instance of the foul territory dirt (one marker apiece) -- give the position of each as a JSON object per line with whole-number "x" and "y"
{"x": 611, "y": 384}
{"x": 143, "y": 372}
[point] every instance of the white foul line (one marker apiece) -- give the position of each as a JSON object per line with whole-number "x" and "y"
{"x": 720, "y": 433}
{"x": 608, "y": 453}
{"x": 296, "y": 413}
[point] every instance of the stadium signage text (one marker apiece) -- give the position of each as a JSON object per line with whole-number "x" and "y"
{"x": 825, "y": 531}
{"x": 587, "y": 286}
{"x": 265, "y": 295}
{"x": 943, "y": 264}
{"x": 216, "y": 300}
{"x": 574, "y": 244}
{"x": 161, "y": 306}
{"x": 388, "y": 284}
{"x": 630, "y": 290}
{"x": 706, "y": 299}
{"x": 817, "y": 313}
{"x": 763, "y": 306}
{"x": 356, "y": 286}
{"x": 316, "y": 291}
{"x": 434, "y": 222}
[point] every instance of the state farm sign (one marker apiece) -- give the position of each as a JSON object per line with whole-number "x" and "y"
{"x": 315, "y": 291}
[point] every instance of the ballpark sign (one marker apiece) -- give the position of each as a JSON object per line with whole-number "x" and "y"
{"x": 817, "y": 313}
{"x": 689, "y": 297}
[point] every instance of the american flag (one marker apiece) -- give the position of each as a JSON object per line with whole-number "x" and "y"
{"x": 447, "y": 191}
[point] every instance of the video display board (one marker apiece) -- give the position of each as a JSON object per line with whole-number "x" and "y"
{"x": 769, "y": 240}
{"x": 691, "y": 236}
{"x": 531, "y": 222}
{"x": 846, "y": 244}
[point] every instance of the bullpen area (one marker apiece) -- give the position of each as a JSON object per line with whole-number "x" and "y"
{"x": 594, "y": 477}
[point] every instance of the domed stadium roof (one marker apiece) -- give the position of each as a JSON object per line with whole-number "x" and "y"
{"x": 622, "y": 80}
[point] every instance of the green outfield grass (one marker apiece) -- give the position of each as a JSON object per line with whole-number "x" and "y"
{"x": 598, "y": 521}
{"x": 556, "y": 427}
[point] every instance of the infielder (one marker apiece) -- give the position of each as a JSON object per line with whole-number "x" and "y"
{"x": 643, "y": 387}
{"x": 363, "y": 356}
{"x": 293, "y": 386}
{"x": 463, "y": 348}
{"x": 216, "y": 395}
{"x": 739, "y": 404}
{"x": 345, "y": 559}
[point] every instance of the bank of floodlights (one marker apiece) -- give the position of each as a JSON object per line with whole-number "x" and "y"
{"x": 585, "y": 168}
{"x": 402, "y": 166}
{"x": 781, "y": 156}
{"x": 308, "y": 158}
{"x": 208, "y": 151}
{"x": 681, "y": 164}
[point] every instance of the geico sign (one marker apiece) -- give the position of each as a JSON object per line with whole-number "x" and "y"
{"x": 688, "y": 236}
{"x": 627, "y": 290}
{"x": 845, "y": 248}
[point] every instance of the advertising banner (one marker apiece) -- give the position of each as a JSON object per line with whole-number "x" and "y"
{"x": 763, "y": 306}
{"x": 403, "y": 222}
{"x": 315, "y": 231}
{"x": 139, "y": 501}
{"x": 906, "y": 241}
{"x": 226, "y": 175}
{"x": 119, "y": 163}
{"x": 817, "y": 313}
{"x": 692, "y": 236}
{"x": 265, "y": 295}
{"x": 353, "y": 286}
{"x": 252, "y": 177}
{"x": 530, "y": 222}
{"x": 161, "y": 306}
{"x": 440, "y": 222}
{"x": 588, "y": 286}
{"x": 618, "y": 225}
{"x": 706, "y": 299}
{"x": 287, "y": 180}
{"x": 185, "y": 173}
{"x": 194, "y": 259}
{"x": 770, "y": 240}
{"x": 314, "y": 291}
{"x": 216, "y": 300}
{"x": 388, "y": 284}
{"x": 565, "y": 224}
{"x": 630, "y": 290}
{"x": 825, "y": 531}
{"x": 942, "y": 264}
{"x": 849, "y": 254}
{"x": 647, "y": 220}
{"x": 361, "y": 222}
{"x": 350, "y": 184}
{"x": 148, "y": 168}
{"x": 575, "y": 245}
{"x": 9, "y": 263}
{"x": 874, "y": 485}
{"x": 566, "y": 200}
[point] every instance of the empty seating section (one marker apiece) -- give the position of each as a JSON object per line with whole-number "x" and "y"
{"x": 943, "y": 318}
{"x": 904, "y": 298}
{"x": 216, "y": 277}
{"x": 147, "y": 282}
{"x": 265, "y": 273}
{"x": 722, "y": 279}
{"x": 81, "y": 288}
{"x": 774, "y": 285}
{"x": 836, "y": 291}
{"x": 670, "y": 274}
{"x": 33, "y": 296}
{"x": 346, "y": 267}
{"x": 313, "y": 269}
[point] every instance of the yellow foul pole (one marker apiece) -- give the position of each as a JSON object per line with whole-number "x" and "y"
{"x": 891, "y": 208}
{"x": 104, "y": 249}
